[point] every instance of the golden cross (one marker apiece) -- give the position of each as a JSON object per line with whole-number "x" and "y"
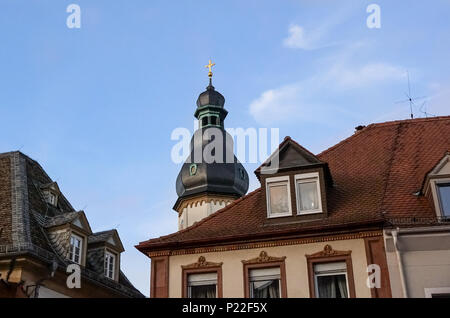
{"x": 209, "y": 66}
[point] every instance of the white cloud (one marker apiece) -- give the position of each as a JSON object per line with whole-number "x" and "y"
{"x": 297, "y": 39}
{"x": 305, "y": 100}
{"x": 347, "y": 78}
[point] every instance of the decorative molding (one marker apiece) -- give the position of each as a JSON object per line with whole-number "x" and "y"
{"x": 265, "y": 261}
{"x": 201, "y": 266}
{"x": 328, "y": 252}
{"x": 201, "y": 263}
{"x": 264, "y": 258}
{"x": 252, "y": 245}
{"x": 328, "y": 255}
{"x": 199, "y": 200}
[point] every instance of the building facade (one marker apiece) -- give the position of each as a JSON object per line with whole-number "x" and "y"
{"x": 41, "y": 235}
{"x": 367, "y": 217}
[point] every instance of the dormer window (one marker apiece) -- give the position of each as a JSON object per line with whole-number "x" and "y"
{"x": 308, "y": 193}
{"x": 437, "y": 187}
{"x": 110, "y": 262}
{"x": 50, "y": 197}
{"x": 50, "y": 193}
{"x": 443, "y": 191}
{"x": 278, "y": 197}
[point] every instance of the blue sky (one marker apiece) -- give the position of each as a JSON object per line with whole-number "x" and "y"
{"x": 96, "y": 106}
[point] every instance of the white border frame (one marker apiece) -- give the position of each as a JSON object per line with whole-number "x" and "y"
{"x": 312, "y": 175}
{"x": 429, "y": 292}
{"x": 114, "y": 257}
{"x": 81, "y": 239}
{"x": 278, "y": 180}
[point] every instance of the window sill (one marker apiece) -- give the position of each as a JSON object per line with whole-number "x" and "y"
{"x": 310, "y": 212}
{"x": 271, "y": 216}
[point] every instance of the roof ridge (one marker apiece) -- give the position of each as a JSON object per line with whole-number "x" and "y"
{"x": 102, "y": 232}
{"x": 383, "y": 124}
{"x": 209, "y": 217}
{"x": 410, "y": 121}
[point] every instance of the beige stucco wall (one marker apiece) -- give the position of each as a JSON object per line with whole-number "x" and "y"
{"x": 425, "y": 260}
{"x": 296, "y": 267}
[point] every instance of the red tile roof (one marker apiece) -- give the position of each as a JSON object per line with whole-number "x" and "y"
{"x": 376, "y": 173}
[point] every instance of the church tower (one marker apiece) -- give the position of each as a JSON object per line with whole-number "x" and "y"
{"x": 211, "y": 176}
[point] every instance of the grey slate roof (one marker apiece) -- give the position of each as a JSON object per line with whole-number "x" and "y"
{"x": 100, "y": 236}
{"x": 26, "y": 219}
{"x": 60, "y": 219}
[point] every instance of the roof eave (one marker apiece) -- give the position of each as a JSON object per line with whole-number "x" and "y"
{"x": 147, "y": 246}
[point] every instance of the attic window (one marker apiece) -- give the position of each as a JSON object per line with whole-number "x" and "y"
{"x": 51, "y": 197}
{"x": 308, "y": 193}
{"x": 278, "y": 197}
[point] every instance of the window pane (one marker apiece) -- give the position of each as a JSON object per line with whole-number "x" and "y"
{"x": 205, "y": 291}
{"x": 75, "y": 249}
{"x": 307, "y": 194}
{"x": 278, "y": 199}
{"x": 265, "y": 289}
{"x": 332, "y": 286}
{"x": 444, "y": 197}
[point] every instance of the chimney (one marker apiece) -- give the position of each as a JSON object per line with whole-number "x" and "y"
{"x": 359, "y": 128}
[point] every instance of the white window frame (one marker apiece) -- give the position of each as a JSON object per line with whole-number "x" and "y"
{"x": 429, "y": 292}
{"x": 189, "y": 285}
{"x": 276, "y": 181}
{"x": 80, "y": 238}
{"x": 106, "y": 264}
{"x": 307, "y": 177}
{"x": 263, "y": 278}
{"x": 316, "y": 283}
{"x": 434, "y": 183}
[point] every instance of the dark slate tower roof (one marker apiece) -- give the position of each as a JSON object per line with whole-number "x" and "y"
{"x": 203, "y": 175}
{"x": 210, "y": 97}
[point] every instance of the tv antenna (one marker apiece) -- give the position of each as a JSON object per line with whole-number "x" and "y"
{"x": 423, "y": 110}
{"x": 411, "y": 99}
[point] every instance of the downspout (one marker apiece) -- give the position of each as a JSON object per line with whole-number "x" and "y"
{"x": 394, "y": 234}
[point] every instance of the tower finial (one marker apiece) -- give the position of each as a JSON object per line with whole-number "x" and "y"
{"x": 209, "y": 66}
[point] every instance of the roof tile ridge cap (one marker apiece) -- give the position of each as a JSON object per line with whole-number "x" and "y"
{"x": 346, "y": 140}
{"x": 195, "y": 225}
{"x": 383, "y": 124}
{"x": 9, "y": 153}
{"x": 411, "y": 121}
